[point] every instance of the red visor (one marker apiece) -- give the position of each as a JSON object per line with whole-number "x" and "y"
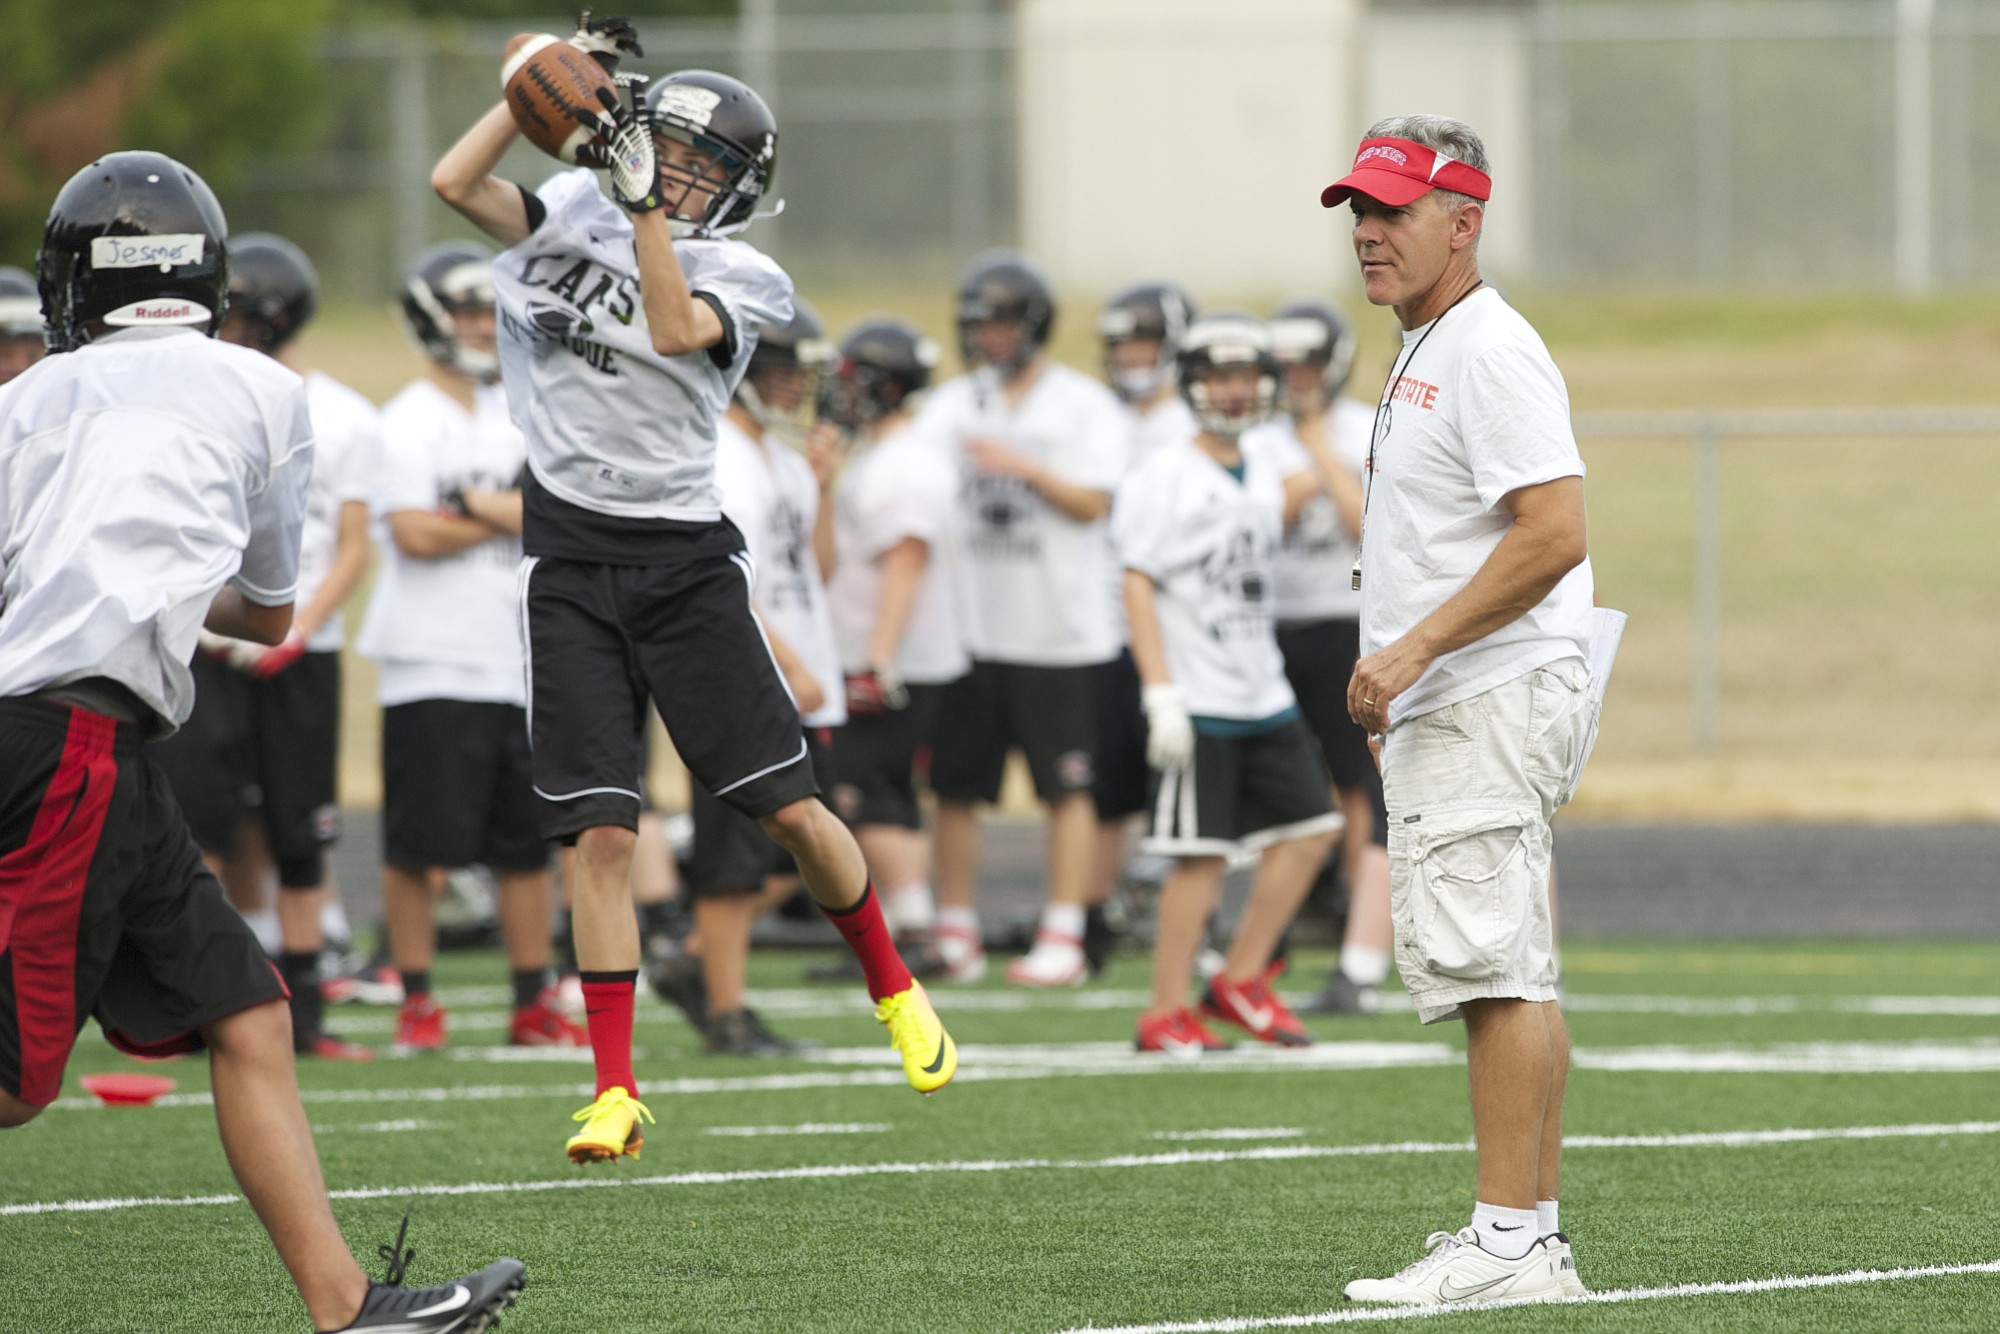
{"x": 1397, "y": 172}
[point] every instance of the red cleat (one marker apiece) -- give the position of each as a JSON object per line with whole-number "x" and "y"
{"x": 1178, "y": 1034}
{"x": 543, "y": 1024}
{"x": 326, "y": 1047}
{"x": 1253, "y": 1007}
{"x": 420, "y": 1025}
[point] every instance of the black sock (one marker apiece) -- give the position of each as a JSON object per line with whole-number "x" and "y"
{"x": 528, "y": 986}
{"x": 416, "y": 983}
{"x": 656, "y": 919}
{"x": 301, "y": 973}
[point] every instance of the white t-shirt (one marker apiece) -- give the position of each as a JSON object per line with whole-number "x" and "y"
{"x": 1315, "y": 567}
{"x": 448, "y": 628}
{"x": 347, "y": 439}
{"x": 893, "y": 489}
{"x": 1035, "y": 585}
{"x": 612, "y": 425}
{"x": 138, "y": 475}
{"x": 1168, "y": 422}
{"x": 770, "y": 494}
{"x": 1481, "y": 412}
{"x": 1206, "y": 541}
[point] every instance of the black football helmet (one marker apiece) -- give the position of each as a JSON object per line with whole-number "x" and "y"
{"x": 1226, "y": 340}
{"x": 799, "y": 345}
{"x": 273, "y": 286}
{"x": 1308, "y": 332}
{"x": 1004, "y": 285}
{"x": 1154, "y": 312}
{"x": 726, "y": 119}
{"x": 20, "y": 304}
{"x": 883, "y": 362}
{"x": 134, "y": 238}
{"x": 452, "y": 275}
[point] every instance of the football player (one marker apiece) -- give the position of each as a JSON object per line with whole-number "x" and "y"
{"x": 781, "y": 504}
{"x": 1320, "y": 443}
{"x": 444, "y": 624}
{"x": 1196, "y": 527}
{"x": 893, "y": 605}
{"x": 627, "y": 323}
{"x": 267, "y": 719}
{"x": 20, "y": 323}
{"x": 127, "y": 523}
{"x": 1140, "y": 329}
{"x": 1040, "y": 448}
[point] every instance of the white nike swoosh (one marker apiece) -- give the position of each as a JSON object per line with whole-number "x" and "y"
{"x": 1177, "y": 1047}
{"x": 1255, "y": 1018}
{"x": 461, "y": 1296}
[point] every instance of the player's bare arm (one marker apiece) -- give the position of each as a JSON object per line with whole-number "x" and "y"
{"x": 350, "y": 562}
{"x": 678, "y": 322}
{"x": 427, "y": 535}
{"x": 823, "y": 454}
{"x": 498, "y": 510}
{"x": 902, "y": 575}
{"x": 1330, "y": 477}
{"x": 805, "y": 687}
{"x": 464, "y": 178}
{"x": 237, "y": 617}
{"x": 1546, "y": 542}
{"x": 1148, "y": 652}
{"x": 1085, "y": 504}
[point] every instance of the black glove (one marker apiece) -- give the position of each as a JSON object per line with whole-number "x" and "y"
{"x": 625, "y": 148}
{"x": 606, "y": 39}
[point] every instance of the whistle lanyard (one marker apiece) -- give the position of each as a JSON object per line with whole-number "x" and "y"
{"x": 1397, "y": 371}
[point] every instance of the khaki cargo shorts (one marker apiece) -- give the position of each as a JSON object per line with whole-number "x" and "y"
{"x": 1470, "y": 789}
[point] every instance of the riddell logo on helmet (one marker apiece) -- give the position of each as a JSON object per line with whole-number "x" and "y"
{"x": 160, "y": 312}
{"x": 1395, "y": 155}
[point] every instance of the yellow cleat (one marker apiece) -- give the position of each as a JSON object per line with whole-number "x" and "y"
{"x": 930, "y": 1057}
{"x": 610, "y": 1128}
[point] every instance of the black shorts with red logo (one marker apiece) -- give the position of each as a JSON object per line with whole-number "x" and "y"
{"x": 105, "y": 906}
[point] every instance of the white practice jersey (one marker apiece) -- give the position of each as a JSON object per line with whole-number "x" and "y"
{"x": 138, "y": 475}
{"x": 1034, "y": 584}
{"x": 770, "y": 494}
{"x": 347, "y": 439}
{"x": 1315, "y": 565}
{"x": 1167, "y": 422}
{"x": 891, "y": 490}
{"x": 450, "y": 627}
{"x": 1478, "y": 411}
{"x": 1207, "y": 540}
{"x": 613, "y": 426}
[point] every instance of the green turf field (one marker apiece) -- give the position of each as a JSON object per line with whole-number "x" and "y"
{"x": 1062, "y": 1182}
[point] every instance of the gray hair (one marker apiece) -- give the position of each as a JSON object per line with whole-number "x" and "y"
{"x": 1453, "y": 138}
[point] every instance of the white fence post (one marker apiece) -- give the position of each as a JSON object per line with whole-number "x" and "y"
{"x": 1915, "y": 242}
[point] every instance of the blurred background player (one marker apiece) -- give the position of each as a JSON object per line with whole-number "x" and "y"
{"x": 1040, "y": 449}
{"x": 1320, "y": 444}
{"x": 781, "y": 504}
{"x": 20, "y": 323}
{"x": 129, "y": 522}
{"x": 893, "y": 606}
{"x": 1196, "y": 527}
{"x": 1140, "y": 329}
{"x": 637, "y": 587}
{"x": 444, "y": 623}
{"x": 256, "y": 765}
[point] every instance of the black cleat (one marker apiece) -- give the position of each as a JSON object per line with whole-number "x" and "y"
{"x": 463, "y": 1306}
{"x": 676, "y": 978}
{"x": 742, "y": 1033}
{"x": 1342, "y": 995}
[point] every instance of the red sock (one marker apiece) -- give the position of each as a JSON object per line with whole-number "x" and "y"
{"x": 607, "y": 1010}
{"x": 868, "y": 936}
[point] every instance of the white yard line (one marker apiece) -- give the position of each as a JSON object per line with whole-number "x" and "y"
{"x": 1355, "y": 1315}
{"x": 1728, "y": 1139}
{"x": 377, "y": 1127}
{"x": 809, "y": 1128}
{"x": 1232, "y": 1132}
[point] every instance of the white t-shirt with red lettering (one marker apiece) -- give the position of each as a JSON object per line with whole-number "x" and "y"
{"x": 1478, "y": 411}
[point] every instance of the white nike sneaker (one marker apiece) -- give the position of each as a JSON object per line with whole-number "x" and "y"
{"x": 1460, "y": 1272}
{"x": 1558, "y": 1248}
{"x": 963, "y": 954}
{"x": 1055, "y": 961}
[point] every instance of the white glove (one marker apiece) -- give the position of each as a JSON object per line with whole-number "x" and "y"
{"x": 626, "y": 132}
{"x": 1169, "y": 729}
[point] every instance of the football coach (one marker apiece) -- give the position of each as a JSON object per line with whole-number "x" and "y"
{"x": 1475, "y": 621}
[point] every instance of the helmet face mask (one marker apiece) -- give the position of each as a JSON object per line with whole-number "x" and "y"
{"x": 882, "y": 364}
{"x": 1153, "y": 317}
{"x": 1228, "y": 374}
{"x": 1312, "y": 334}
{"x": 447, "y": 308}
{"x": 1006, "y": 312}
{"x": 717, "y": 144}
{"x": 781, "y": 386}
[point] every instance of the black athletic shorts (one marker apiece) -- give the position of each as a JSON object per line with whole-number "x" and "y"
{"x": 876, "y": 759}
{"x": 1319, "y": 662}
{"x": 269, "y": 746}
{"x": 732, "y": 854}
{"x": 1123, "y": 776}
{"x": 997, "y": 706}
{"x": 602, "y": 638}
{"x": 457, "y": 787}
{"x": 1243, "y": 792}
{"x": 105, "y": 906}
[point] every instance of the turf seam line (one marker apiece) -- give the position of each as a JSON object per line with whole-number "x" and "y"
{"x": 1728, "y": 1139}
{"x": 1348, "y": 1315}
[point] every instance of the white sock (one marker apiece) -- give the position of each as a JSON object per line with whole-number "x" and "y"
{"x": 1507, "y": 1233}
{"x": 1545, "y": 1217}
{"x": 1364, "y": 965}
{"x": 265, "y": 923}
{"x": 963, "y": 920}
{"x": 1064, "y": 919}
{"x": 910, "y": 908}
{"x": 333, "y": 920}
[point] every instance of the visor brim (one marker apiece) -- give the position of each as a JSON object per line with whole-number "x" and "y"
{"x": 1387, "y": 187}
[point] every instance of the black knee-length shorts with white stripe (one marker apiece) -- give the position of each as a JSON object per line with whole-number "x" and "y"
{"x": 1243, "y": 792}
{"x": 603, "y": 638}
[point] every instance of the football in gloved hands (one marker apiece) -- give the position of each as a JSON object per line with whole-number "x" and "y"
{"x": 552, "y": 90}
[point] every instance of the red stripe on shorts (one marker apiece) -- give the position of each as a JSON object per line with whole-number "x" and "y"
{"x": 41, "y": 899}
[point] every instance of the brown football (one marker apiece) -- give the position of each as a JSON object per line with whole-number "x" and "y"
{"x": 551, "y": 87}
